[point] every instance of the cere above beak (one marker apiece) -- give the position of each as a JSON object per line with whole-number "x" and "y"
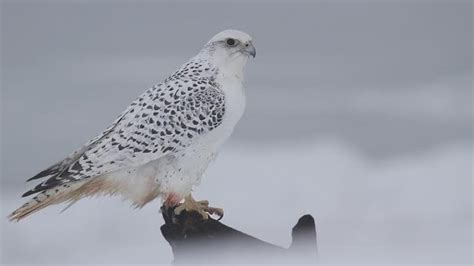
{"x": 250, "y": 49}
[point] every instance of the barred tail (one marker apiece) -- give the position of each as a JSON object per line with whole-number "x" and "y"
{"x": 46, "y": 198}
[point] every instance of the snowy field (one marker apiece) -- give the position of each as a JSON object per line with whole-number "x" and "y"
{"x": 414, "y": 209}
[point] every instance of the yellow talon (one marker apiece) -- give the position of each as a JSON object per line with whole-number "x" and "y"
{"x": 201, "y": 207}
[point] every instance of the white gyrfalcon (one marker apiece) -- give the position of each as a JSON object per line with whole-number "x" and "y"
{"x": 161, "y": 145}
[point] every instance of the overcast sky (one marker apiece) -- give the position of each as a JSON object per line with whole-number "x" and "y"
{"x": 361, "y": 43}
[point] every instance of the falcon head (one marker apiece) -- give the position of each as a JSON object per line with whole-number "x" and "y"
{"x": 233, "y": 43}
{"x": 230, "y": 49}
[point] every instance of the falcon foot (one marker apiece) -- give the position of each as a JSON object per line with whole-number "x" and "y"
{"x": 201, "y": 207}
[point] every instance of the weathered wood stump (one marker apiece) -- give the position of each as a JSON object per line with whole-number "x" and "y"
{"x": 197, "y": 241}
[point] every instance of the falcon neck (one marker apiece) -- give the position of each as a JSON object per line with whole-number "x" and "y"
{"x": 228, "y": 67}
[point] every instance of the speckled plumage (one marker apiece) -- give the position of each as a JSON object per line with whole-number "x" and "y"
{"x": 162, "y": 143}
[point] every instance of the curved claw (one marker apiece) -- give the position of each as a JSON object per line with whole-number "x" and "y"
{"x": 217, "y": 211}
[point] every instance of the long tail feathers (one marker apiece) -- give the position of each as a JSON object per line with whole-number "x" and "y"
{"x": 71, "y": 192}
{"x": 46, "y": 198}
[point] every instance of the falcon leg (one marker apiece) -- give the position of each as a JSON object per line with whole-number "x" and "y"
{"x": 201, "y": 207}
{"x": 172, "y": 200}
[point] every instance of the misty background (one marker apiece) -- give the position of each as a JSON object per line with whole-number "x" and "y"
{"x": 358, "y": 112}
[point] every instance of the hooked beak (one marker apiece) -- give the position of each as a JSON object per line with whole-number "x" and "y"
{"x": 250, "y": 49}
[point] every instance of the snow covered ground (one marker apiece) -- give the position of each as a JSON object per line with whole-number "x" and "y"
{"x": 413, "y": 209}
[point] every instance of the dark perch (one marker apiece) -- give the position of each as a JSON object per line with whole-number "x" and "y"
{"x": 198, "y": 241}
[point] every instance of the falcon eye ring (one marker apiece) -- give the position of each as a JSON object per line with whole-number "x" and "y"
{"x": 231, "y": 42}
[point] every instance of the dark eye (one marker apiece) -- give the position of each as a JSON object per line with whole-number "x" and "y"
{"x": 231, "y": 42}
